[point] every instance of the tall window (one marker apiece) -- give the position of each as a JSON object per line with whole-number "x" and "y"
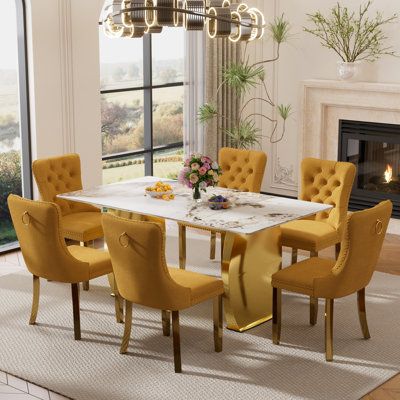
{"x": 15, "y": 176}
{"x": 142, "y": 105}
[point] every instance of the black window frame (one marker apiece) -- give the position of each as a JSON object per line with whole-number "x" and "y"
{"x": 24, "y": 110}
{"x": 147, "y": 89}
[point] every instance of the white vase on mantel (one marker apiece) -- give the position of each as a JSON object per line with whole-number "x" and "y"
{"x": 348, "y": 71}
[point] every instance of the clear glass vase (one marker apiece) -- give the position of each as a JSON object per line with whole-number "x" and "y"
{"x": 348, "y": 71}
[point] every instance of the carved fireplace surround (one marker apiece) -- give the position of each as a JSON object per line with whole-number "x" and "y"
{"x": 325, "y": 103}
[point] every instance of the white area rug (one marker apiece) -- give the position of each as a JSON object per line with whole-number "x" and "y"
{"x": 250, "y": 366}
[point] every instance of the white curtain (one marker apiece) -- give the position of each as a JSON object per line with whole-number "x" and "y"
{"x": 194, "y": 91}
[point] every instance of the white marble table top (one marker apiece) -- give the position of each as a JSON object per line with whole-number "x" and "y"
{"x": 250, "y": 212}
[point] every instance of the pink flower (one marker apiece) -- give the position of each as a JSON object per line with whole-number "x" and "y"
{"x": 203, "y": 171}
{"x": 206, "y": 159}
{"x": 182, "y": 176}
{"x": 187, "y": 162}
{"x": 193, "y": 178}
{"x": 195, "y": 166}
{"x": 206, "y": 165}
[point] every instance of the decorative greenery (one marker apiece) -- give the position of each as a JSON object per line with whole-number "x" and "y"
{"x": 354, "y": 37}
{"x": 241, "y": 78}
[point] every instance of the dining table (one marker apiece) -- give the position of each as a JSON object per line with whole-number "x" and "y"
{"x": 252, "y": 250}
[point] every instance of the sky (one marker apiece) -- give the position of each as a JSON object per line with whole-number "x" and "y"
{"x": 8, "y": 35}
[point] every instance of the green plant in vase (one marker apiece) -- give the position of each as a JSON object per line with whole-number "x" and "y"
{"x": 242, "y": 77}
{"x": 353, "y": 36}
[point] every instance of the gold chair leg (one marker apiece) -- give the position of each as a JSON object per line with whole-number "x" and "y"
{"x": 313, "y": 253}
{"x": 276, "y": 315}
{"x": 294, "y": 256}
{"x": 76, "y": 311}
{"x": 329, "y": 329}
{"x": 182, "y": 246}
{"x": 85, "y": 285}
{"x": 128, "y": 327}
{"x": 217, "y": 313}
{"x": 313, "y": 310}
{"x": 166, "y": 322}
{"x": 118, "y": 300}
{"x": 213, "y": 242}
{"x": 176, "y": 341}
{"x": 362, "y": 314}
{"x": 35, "y": 300}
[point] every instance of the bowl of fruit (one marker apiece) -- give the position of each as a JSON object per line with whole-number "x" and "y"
{"x": 161, "y": 190}
{"x": 218, "y": 202}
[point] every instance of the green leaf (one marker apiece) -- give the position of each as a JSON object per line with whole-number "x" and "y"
{"x": 285, "y": 111}
{"x": 207, "y": 112}
{"x": 280, "y": 29}
{"x": 245, "y": 135}
{"x": 243, "y": 77}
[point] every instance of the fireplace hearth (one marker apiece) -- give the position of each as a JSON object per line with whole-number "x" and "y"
{"x": 374, "y": 149}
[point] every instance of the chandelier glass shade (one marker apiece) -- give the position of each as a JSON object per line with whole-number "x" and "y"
{"x": 221, "y": 19}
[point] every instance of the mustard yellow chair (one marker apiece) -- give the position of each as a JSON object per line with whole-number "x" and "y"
{"x": 137, "y": 251}
{"x": 38, "y": 228}
{"x": 328, "y": 182}
{"x": 242, "y": 170}
{"x": 364, "y": 232}
{"x": 57, "y": 175}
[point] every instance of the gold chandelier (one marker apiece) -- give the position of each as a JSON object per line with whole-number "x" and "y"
{"x": 135, "y": 18}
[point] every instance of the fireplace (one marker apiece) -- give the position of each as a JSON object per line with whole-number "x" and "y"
{"x": 374, "y": 148}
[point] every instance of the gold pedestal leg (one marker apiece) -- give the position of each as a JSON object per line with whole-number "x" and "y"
{"x": 329, "y": 329}
{"x": 128, "y": 326}
{"x": 85, "y": 285}
{"x": 313, "y": 310}
{"x": 213, "y": 242}
{"x": 337, "y": 250}
{"x": 76, "y": 310}
{"x": 294, "y": 256}
{"x": 35, "y": 300}
{"x": 182, "y": 246}
{"x": 217, "y": 313}
{"x": 276, "y": 315}
{"x": 118, "y": 300}
{"x": 177, "y": 341}
{"x": 223, "y": 234}
{"x": 362, "y": 314}
{"x": 166, "y": 322}
{"x": 248, "y": 263}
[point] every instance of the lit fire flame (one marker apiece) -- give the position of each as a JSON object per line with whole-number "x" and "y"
{"x": 388, "y": 173}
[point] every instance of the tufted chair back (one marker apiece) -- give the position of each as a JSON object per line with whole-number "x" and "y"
{"x": 57, "y": 175}
{"x": 137, "y": 250}
{"x": 242, "y": 169}
{"x": 328, "y": 182}
{"x": 46, "y": 255}
{"x": 361, "y": 246}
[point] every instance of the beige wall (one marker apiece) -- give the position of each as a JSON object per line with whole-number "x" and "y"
{"x": 63, "y": 52}
{"x": 304, "y": 58}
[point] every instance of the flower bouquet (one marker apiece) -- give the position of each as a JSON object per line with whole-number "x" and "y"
{"x": 199, "y": 173}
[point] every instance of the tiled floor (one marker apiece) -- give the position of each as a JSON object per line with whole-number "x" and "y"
{"x": 12, "y": 388}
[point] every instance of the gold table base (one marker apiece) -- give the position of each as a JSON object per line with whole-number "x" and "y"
{"x": 248, "y": 262}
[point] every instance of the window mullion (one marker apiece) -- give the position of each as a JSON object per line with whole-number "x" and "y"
{"x": 148, "y": 103}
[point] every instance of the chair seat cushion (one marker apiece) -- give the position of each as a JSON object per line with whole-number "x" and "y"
{"x": 300, "y": 277}
{"x": 309, "y": 235}
{"x": 99, "y": 260}
{"x": 82, "y": 226}
{"x": 202, "y": 287}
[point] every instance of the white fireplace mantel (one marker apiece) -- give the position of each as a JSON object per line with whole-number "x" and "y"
{"x": 325, "y": 103}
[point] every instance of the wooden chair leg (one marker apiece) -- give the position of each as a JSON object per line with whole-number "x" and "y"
{"x": 276, "y": 315}
{"x": 213, "y": 242}
{"x": 294, "y": 256}
{"x": 176, "y": 341}
{"x": 76, "y": 311}
{"x": 313, "y": 310}
{"x": 217, "y": 314}
{"x": 182, "y": 246}
{"x": 85, "y": 285}
{"x": 337, "y": 250}
{"x": 362, "y": 314}
{"x": 329, "y": 329}
{"x": 166, "y": 322}
{"x": 128, "y": 327}
{"x": 35, "y": 300}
